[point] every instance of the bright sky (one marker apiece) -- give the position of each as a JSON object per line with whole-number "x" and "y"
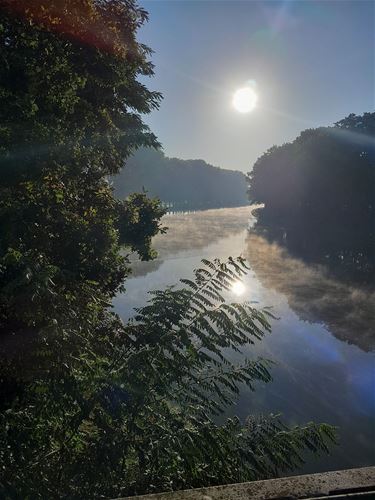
{"x": 310, "y": 62}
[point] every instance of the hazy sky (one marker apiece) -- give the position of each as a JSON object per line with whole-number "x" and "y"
{"x": 313, "y": 63}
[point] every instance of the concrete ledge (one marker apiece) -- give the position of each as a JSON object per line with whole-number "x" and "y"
{"x": 311, "y": 485}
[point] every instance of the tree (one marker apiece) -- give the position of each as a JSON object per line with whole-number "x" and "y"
{"x": 69, "y": 113}
{"x": 70, "y": 105}
{"x": 318, "y": 192}
{"x": 192, "y": 184}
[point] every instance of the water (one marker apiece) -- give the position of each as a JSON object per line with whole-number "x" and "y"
{"x": 323, "y": 342}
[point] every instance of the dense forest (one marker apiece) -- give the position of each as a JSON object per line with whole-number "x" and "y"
{"x": 90, "y": 406}
{"x": 319, "y": 196}
{"x": 190, "y": 184}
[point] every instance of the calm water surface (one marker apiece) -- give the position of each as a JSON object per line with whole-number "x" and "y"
{"x": 323, "y": 343}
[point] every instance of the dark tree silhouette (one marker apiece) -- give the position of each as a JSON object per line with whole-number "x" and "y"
{"x": 70, "y": 105}
{"x": 185, "y": 184}
{"x": 319, "y": 194}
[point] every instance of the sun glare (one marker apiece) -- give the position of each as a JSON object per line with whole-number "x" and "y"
{"x": 244, "y": 100}
{"x": 238, "y": 288}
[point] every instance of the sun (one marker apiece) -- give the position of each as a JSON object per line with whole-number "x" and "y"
{"x": 244, "y": 100}
{"x": 238, "y": 288}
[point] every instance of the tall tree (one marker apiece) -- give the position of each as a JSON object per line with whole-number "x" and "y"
{"x": 70, "y": 104}
{"x": 319, "y": 191}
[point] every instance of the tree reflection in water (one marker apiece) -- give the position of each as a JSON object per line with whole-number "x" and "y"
{"x": 318, "y": 293}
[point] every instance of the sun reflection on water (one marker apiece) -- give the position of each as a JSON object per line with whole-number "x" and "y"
{"x": 238, "y": 288}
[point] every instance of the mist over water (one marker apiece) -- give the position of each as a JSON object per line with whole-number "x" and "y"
{"x": 346, "y": 310}
{"x": 323, "y": 343}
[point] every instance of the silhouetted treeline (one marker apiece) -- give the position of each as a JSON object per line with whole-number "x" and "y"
{"x": 182, "y": 184}
{"x": 319, "y": 195}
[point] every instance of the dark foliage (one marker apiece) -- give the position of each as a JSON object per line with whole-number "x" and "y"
{"x": 70, "y": 106}
{"x": 123, "y": 409}
{"x": 319, "y": 195}
{"x": 69, "y": 117}
{"x": 182, "y": 184}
